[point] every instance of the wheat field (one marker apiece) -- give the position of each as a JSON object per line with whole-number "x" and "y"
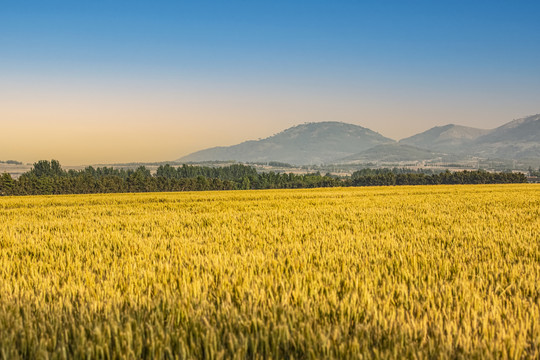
{"x": 382, "y": 272}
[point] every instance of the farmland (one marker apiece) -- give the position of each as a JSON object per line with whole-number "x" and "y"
{"x": 381, "y": 272}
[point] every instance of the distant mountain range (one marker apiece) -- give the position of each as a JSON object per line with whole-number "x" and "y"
{"x": 337, "y": 142}
{"x": 446, "y": 138}
{"x": 517, "y": 139}
{"x": 312, "y": 143}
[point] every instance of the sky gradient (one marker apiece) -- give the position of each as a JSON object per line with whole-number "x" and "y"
{"x": 122, "y": 81}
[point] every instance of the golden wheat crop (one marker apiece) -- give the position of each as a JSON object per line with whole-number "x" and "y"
{"x": 393, "y": 272}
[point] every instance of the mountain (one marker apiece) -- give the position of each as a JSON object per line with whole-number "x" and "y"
{"x": 517, "y": 139}
{"x": 449, "y": 138}
{"x": 310, "y": 143}
{"x": 391, "y": 153}
{"x": 330, "y": 142}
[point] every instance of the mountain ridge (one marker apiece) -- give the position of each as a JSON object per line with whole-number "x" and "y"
{"x": 331, "y": 141}
{"x": 516, "y": 139}
{"x": 445, "y": 138}
{"x": 308, "y": 143}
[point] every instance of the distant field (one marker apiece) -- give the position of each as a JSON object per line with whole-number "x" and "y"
{"x": 392, "y": 272}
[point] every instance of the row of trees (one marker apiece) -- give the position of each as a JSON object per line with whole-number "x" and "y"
{"x": 48, "y": 177}
{"x": 44, "y": 168}
{"x": 447, "y": 177}
{"x": 10, "y": 162}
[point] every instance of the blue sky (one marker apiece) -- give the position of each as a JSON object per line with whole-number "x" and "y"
{"x": 219, "y": 72}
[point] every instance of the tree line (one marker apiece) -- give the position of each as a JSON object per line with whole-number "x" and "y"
{"x": 48, "y": 177}
{"x": 11, "y": 162}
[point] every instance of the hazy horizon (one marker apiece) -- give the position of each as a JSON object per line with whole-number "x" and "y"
{"x": 139, "y": 81}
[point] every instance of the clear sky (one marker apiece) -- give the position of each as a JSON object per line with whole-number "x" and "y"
{"x": 90, "y": 82}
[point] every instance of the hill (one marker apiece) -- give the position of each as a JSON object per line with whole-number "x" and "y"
{"x": 310, "y": 143}
{"x": 449, "y": 138}
{"x": 333, "y": 142}
{"x": 517, "y": 139}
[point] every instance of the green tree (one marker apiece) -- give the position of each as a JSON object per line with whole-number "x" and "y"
{"x": 44, "y": 168}
{"x": 6, "y": 184}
